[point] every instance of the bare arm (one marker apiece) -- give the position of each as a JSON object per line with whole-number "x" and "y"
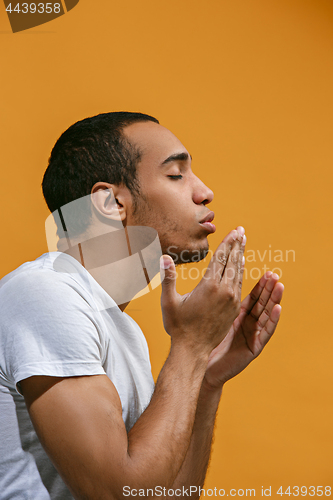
{"x": 194, "y": 468}
{"x": 79, "y": 423}
{"x": 79, "y": 420}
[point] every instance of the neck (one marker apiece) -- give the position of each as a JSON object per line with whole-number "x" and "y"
{"x": 123, "y": 261}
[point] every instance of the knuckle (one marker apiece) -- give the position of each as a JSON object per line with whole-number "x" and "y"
{"x": 253, "y": 315}
{"x": 234, "y": 259}
{"x": 262, "y": 302}
{"x": 230, "y": 294}
{"x": 221, "y": 257}
{"x": 167, "y": 281}
{"x": 236, "y": 299}
{"x": 260, "y": 324}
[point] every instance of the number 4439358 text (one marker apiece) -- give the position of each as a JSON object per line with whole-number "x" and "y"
{"x": 35, "y": 8}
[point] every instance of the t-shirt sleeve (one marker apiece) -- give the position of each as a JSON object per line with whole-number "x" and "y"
{"x": 48, "y": 327}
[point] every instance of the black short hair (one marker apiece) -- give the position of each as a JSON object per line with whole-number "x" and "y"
{"x": 92, "y": 150}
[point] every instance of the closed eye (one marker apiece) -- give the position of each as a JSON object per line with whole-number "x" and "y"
{"x": 175, "y": 177}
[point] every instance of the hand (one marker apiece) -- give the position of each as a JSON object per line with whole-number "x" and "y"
{"x": 203, "y": 317}
{"x": 250, "y": 332}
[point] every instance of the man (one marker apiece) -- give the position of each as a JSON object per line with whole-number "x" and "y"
{"x": 77, "y": 390}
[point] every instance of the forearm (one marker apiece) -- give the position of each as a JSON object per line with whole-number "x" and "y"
{"x": 194, "y": 468}
{"x": 158, "y": 442}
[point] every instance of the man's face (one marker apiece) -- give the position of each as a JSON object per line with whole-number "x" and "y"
{"x": 173, "y": 200}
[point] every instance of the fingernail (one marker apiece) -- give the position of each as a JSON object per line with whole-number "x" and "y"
{"x": 165, "y": 263}
{"x": 244, "y": 240}
{"x": 241, "y": 230}
{"x": 243, "y": 261}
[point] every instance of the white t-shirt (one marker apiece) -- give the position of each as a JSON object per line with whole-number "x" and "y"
{"x": 59, "y": 323}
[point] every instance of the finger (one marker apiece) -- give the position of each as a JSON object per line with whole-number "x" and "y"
{"x": 240, "y": 282}
{"x": 254, "y": 295}
{"x": 239, "y": 271}
{"x": 264, "y": 297}
{"x": 240, "y": 230}
{"x": 168, "y": 278}
{"x": 240, "y": 278}
{"x": 233, "y": 269}
{"x": 215, "y": 268}
{"x": 274, "y": 299}
{"x": 266, "y": 333}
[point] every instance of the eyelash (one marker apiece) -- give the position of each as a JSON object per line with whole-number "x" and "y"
{"x": 175, "y": 177}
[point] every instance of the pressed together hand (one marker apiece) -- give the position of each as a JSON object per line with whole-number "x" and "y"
{"x": 203, "y": 317}
{"x": 212, "y": 317}
{"x": 250, "y": 332}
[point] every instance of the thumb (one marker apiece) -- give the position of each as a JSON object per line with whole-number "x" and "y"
{"x": 168, "y": 278}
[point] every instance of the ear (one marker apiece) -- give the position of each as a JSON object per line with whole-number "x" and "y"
{"x": 110, "y": 200}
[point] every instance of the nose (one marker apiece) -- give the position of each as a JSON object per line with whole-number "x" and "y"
{"x": 202, "y": 195}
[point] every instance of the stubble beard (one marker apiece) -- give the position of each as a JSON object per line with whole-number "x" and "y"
{"x": 143, "y": 215}
{"x": 185, "y": 255}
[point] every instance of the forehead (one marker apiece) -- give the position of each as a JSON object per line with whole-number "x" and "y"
{"x": 155, "y": 141}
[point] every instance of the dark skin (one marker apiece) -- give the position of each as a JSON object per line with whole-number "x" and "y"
{"x": 213, "y": 337}
{"x": 250, "y": 332}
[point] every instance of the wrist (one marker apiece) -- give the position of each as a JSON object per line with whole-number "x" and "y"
{"x": 208, "y": 402}
{"x": 186, "y": 365}
{"x": 190, "y": 351}
{"x": 211, "y": 390}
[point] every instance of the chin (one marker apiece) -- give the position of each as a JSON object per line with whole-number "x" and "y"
{"x": 186, "y": 255}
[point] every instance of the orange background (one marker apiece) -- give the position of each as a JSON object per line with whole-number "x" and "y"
{"x": 247, "y": 87}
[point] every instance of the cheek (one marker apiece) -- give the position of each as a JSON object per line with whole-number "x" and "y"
{"x": 174, "y": 218}
{"x": 166, "y": 206}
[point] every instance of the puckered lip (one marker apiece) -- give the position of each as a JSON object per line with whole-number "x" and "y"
{"x": 209, "y": 218}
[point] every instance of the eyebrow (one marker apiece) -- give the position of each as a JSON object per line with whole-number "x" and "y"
{"x": 177, "y": 157}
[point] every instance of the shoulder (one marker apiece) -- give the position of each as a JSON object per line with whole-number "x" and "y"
{"x": 38, "y": 283}
{"x": 48, "y": 326}
{"x": 36, "y": 302}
